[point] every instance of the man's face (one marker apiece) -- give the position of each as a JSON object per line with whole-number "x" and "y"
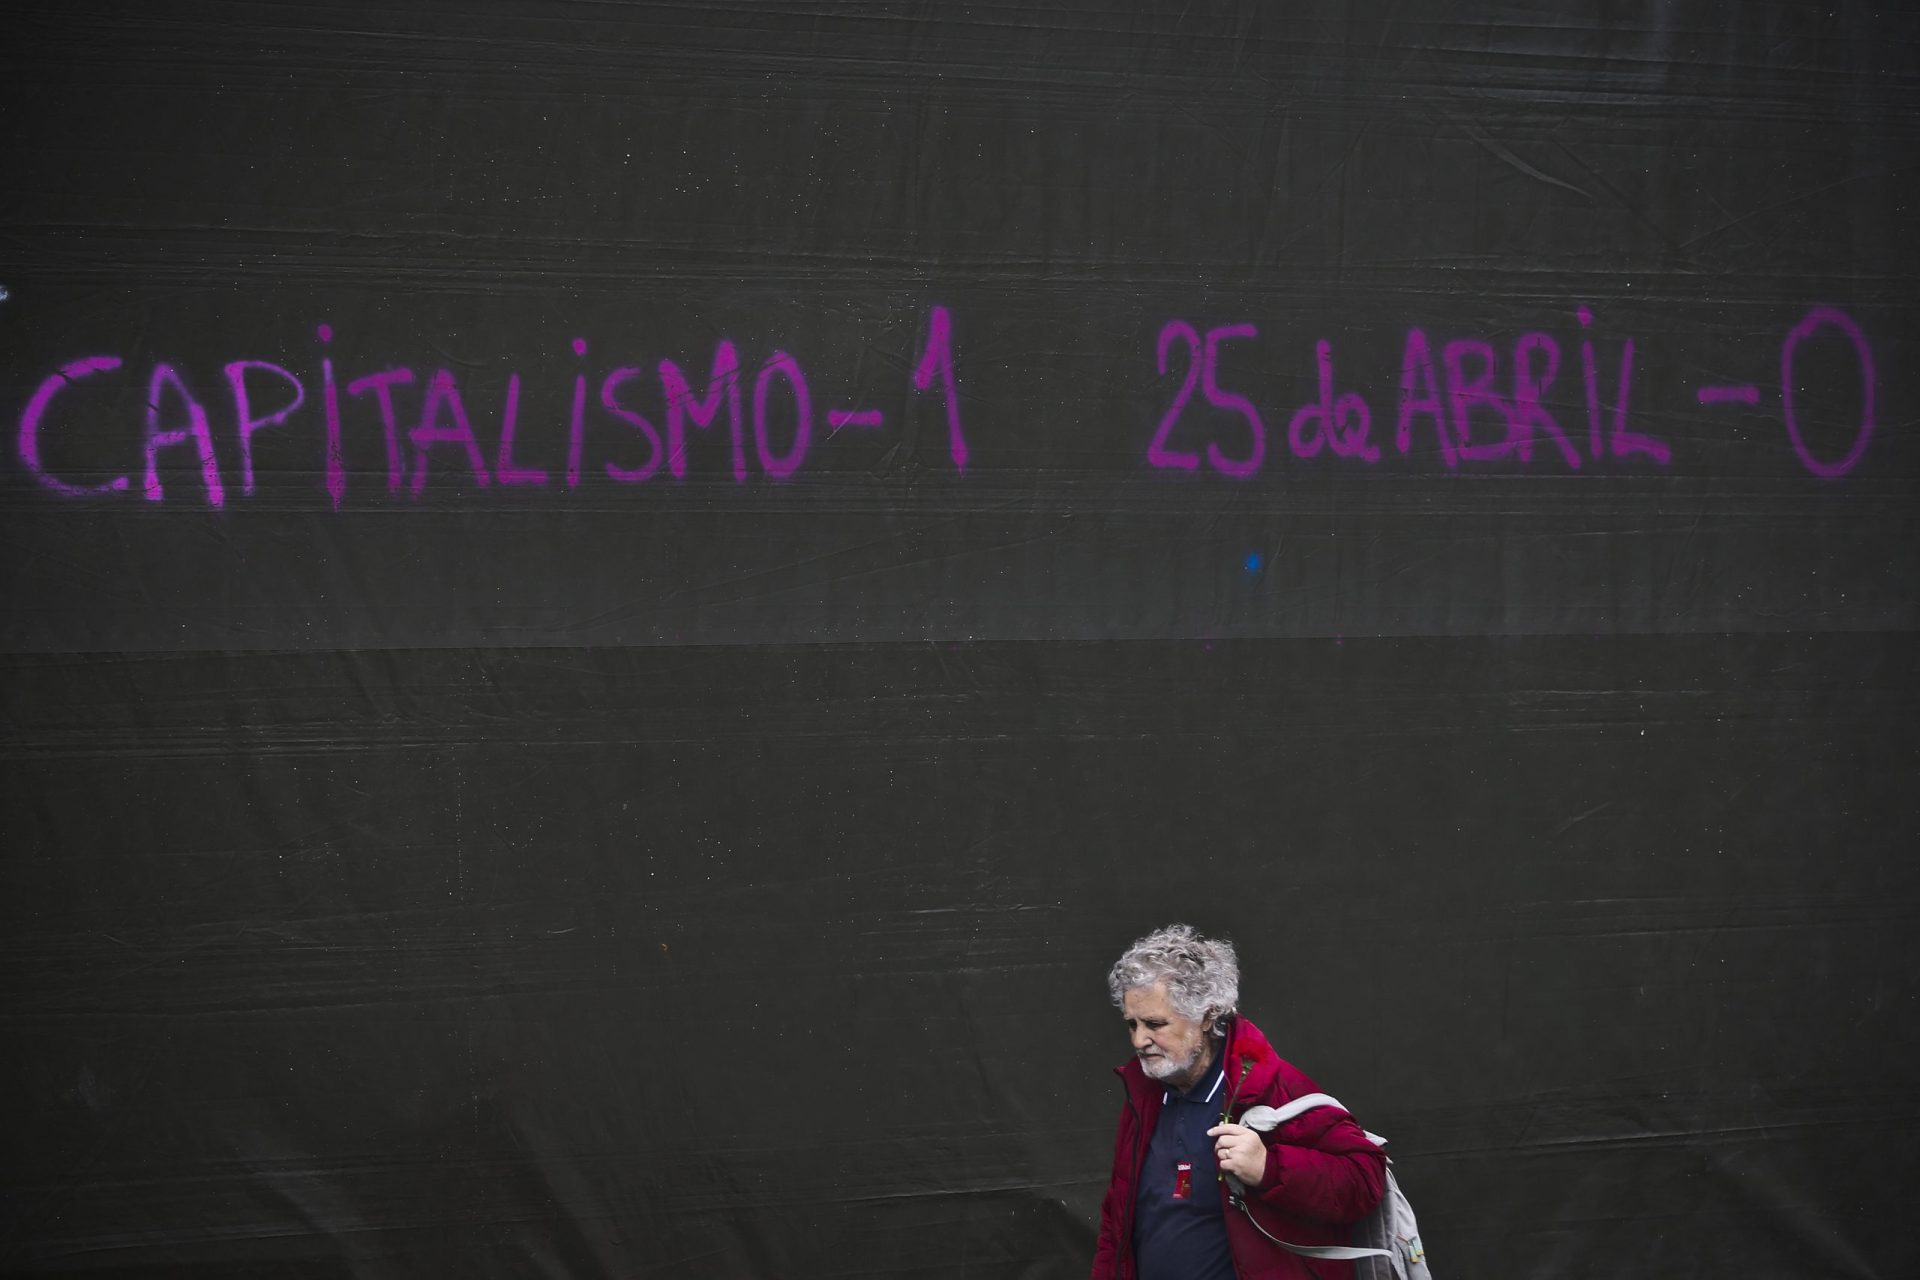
{"x": 1171, "y": 1048}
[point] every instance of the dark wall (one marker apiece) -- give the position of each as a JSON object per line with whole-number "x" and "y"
{"x": 458, "y": 851}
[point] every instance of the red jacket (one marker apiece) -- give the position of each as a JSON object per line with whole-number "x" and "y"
{"x": 1322, "y": 1172}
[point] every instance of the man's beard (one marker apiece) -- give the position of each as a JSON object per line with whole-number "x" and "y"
{"x": 1163, "y": 1068}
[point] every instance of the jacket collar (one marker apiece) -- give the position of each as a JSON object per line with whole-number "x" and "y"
{"x": 1252, "y": 1067}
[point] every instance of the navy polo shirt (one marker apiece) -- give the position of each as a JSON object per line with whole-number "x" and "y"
{"x": 1183, "y": 1239}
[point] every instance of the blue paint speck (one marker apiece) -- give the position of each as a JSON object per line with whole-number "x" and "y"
{"x": 1253, "y": 562}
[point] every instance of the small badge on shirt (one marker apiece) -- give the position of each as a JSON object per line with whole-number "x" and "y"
{"x": 1183, "y": 1179}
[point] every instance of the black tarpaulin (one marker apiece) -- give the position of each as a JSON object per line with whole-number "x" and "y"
{"x": 612, "y": 612}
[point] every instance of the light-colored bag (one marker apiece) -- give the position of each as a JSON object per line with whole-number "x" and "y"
{"x": 1386, "y": 1243}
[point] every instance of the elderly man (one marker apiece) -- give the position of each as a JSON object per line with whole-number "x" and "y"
{"x": 1197, "y": 1065}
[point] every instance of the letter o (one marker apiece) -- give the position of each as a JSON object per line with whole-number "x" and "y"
{"x": 1808, "y": 326}
{"x": 780, "y": 466}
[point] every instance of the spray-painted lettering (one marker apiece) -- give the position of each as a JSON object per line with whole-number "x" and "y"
{"x": 447, "y": 448}
{"x": 1815, "y": 320}
{"x": 1462, "y": 402}
{"x": 1477, "y": 404}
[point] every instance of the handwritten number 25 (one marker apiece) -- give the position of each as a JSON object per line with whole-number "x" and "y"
{"x": 1202, "y": 364}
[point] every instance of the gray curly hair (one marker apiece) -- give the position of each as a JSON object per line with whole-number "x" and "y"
{"x": 1202, "y": 974}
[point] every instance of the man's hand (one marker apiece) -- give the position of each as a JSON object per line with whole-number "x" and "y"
{"x": 1240, "y": 1152}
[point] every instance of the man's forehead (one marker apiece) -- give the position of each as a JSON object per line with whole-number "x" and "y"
{"x": 1147, "y": 1002}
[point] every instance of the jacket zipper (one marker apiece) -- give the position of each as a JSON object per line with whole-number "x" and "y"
{"x": 1139, "y": 1159}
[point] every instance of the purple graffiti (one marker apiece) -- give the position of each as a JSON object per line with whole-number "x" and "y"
{"x": 243, "y": 409}
{"x": 779, "y": 466}
{"x": 722, "y": 382}
{"x": 611, "y": 403}
{"x": 1158, "y": 453}
{"x": 1481, "y": 403}
{"x": 1622, "y": 442}
{"x": 443, "y": 397}
{"x": 196, "y": 432}
{"x": 505, "y": 470}
{"x": 336, "y": 455}
{"x": 1203, "y": 366}
{"x": 1464, "y": 393}
{"x": 381, "y": 386}
{"x": 1420, "y": 395}
{"x": 938, "y": 357}
{"x": 445, "y": 433}
{"x": 1232, "y": 402}
{"x": 577, "y": 419}
{"x": 1528, "y": 388}
{"x": 1341, "y": 424}
{"x": 1809, "y": 325}
{"x": 28, "y": 441}
{"x": 1475, "y": 410}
